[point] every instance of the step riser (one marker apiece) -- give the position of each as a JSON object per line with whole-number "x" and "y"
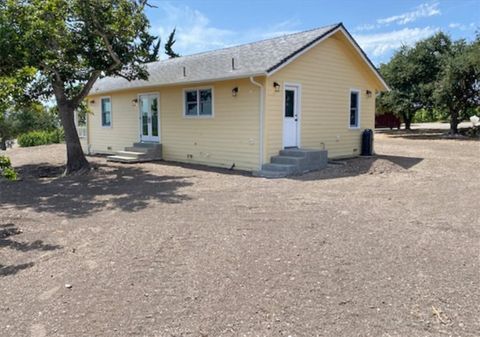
{"x": 147, "y": 151}
{"x": 269, "y": 174}
{"x": 137, "y": 149}
{"x": 292, "y": 153}
{"x": 288, "y": 160}
{"x": 288, "y": 169}
{"x": 147, "y": 145}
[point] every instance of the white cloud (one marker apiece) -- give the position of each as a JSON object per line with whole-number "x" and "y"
{"x": 462, "y": 27}
{"x": 365, "y": 27}
{"x": 421, "y": 11}
{"x": 382, "y": 43}
{"x": 195, "y": 33}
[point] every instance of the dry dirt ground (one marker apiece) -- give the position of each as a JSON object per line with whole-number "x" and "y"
{"x": 382, "y": 246}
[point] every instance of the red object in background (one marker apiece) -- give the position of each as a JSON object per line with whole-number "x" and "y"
{"x": 387, "y": 120}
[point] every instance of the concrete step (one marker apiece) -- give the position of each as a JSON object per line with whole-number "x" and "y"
{"x": 287, "y": 160}
{"x": 147, "y": 145}
{"x": 292, "y": 153}
{"x": 138, "y": 149}
{"x": 122, "y": 159}
{"x": 269, "y": 174}
{"x": 287, "y": 168}
{"x": 294, "y": 162}
{"x": 133, "y": 154}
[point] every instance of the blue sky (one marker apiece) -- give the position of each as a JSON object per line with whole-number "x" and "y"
{"x": 380, "y": 27}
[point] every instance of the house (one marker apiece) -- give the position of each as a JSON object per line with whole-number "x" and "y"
{"x": 239, "y": 106}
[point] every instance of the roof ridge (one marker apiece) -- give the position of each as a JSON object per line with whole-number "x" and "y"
{"x": 246, "y": 44}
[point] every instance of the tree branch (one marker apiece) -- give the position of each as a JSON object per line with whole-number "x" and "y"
{"x": 86, "y": 88}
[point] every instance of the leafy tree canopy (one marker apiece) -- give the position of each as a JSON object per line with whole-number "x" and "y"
{"x": 70, "y": 44}
{"x": 458, "y": 87}
{"x": 411, "y": 73}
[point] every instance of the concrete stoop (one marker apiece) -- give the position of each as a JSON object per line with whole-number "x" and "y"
{"x": 293, "y": 162}
{"x": 139, "y": 152}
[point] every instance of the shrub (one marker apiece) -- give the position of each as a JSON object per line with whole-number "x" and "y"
{"x": 57, "y": 136}
{"x": 6, "y": 170}
{"x": 35, "y": 138}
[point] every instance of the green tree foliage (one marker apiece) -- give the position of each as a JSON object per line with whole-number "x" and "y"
{"x": 70, "y": 44}
{"x": 169, "y": 45}
{"x": 23, "y": 118}
{"x": 12, "y": 89}
{"x": 411, "y": 73}
{"x": 458, "y": 87}
{"x": 6, "y": 170}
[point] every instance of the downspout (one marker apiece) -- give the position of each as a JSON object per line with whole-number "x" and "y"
{"x": 261, "y": 119}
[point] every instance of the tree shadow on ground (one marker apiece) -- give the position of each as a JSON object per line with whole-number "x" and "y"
{"x": 6, "y": 232}
{"x": 128, "y": 188}
{"x": 379, "y": 164}
{"x": 424, "y": 134}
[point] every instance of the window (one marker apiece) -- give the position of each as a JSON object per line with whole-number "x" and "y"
{"x": 106, "y": 112}
{"x": 354, "y": 108}
{"x": 198, "y": 103}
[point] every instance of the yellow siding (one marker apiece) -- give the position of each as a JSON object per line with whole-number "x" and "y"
{"x": 230, "y": 137}
{"x": 326, "y": 74}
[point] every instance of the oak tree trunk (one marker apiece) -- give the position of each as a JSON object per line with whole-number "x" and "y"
{"x": 76, "y": 161}
{"x": 453, "y": 122}
{"x": 408, "y": 121}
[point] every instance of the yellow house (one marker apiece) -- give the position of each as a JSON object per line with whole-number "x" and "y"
{"x": 239, "y": 106}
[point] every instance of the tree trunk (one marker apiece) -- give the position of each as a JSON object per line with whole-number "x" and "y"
{"x": 408, "y": 121}
{"x": 76, "y": 161}
{"x": 3, "y": 144}
{"x": 453, "y": 122}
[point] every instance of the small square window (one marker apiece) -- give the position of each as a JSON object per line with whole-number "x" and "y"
{"x": 198, "y": 102}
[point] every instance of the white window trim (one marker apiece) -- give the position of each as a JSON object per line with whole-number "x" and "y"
{"x": 359, "y": 110}
{"x": 111, "y": 112}
{"x": 198, "y": 103}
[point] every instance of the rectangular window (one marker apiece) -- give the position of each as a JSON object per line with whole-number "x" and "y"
{"x": 198, "y": 103}
{"x": 354, "y": 109}
{"x": 106, "y": 112}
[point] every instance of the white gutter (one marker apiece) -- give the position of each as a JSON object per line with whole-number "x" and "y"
{"x": 261, "y": 112}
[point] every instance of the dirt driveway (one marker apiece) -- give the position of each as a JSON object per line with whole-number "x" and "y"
{"x": 385, "y": 246}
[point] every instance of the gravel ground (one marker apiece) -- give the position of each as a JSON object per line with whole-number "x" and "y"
{"x": 380, "y": 246}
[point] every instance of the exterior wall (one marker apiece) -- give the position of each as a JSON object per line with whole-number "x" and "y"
{"x": 326, "y": 74}
{"x": 230, "y": 137}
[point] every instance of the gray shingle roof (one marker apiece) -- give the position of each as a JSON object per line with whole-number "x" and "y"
{"x": 250, "y": 59}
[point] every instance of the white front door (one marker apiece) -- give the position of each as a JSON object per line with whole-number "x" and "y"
{"x": 290, "y": 117}
{"x": 149, "y": 121}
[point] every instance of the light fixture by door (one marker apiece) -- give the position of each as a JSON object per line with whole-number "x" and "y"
{"x": 134, "y": 101}
{"x": 235, "y": 91}
{"x": 276, "y": 86}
